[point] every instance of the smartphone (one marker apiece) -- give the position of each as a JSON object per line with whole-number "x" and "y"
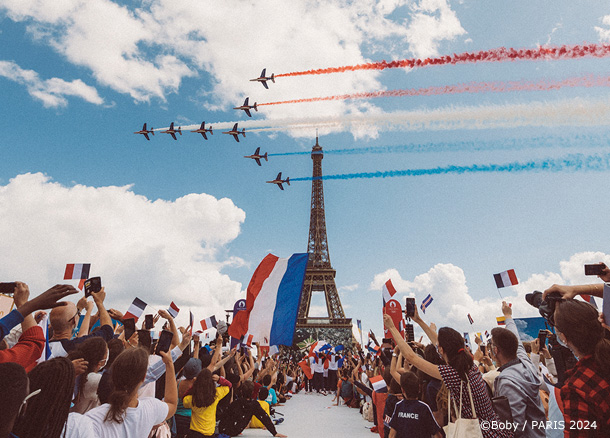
{"x": 410, "y": 308}
{"x": 409, "y": 332}
{"x": 149, "y": 323}
{"x": 595, "y": 269}
{"x": 94, "y": 284}
{"x": 606, "y": 305}
{"x": 7, "y": 288}
{"x": 165, "y": 340}
{"x": 130, "y": 327}
{"x": 542, "y": 339}
{"x": 483, "y": 348}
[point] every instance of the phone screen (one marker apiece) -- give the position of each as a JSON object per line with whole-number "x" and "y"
{"x": 606, "y": 308}
{"x": 165, "y": 340}
{"x": 542, "y": 339}
{"x": 94, "y": 284}
{"x": 409, "y": 332}
{"x": 7, "y": 288}
{"x": 130, "y": 327}
{"x": 148, "y": 322}
{"x": 410, "y": 309}
{"x": 595, "y": 269}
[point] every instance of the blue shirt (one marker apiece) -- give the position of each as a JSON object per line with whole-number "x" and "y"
{"x": 8, "y": 322}
{"x": 413, "y": 419}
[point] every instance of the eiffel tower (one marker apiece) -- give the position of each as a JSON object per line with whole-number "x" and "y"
{"x": 319, "y": 275}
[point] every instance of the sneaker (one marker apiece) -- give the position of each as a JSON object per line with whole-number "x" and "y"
{"x": 278, "y": 421}
{"x": 374, "y": 429}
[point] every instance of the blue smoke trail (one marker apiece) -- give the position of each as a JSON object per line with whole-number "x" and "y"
{"x": 577, "y": 141}
{"x": 575, "y": 162}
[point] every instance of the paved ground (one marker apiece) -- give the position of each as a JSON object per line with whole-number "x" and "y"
{"x": 312, "y": 415}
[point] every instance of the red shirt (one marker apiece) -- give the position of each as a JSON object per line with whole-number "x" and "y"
{"x": 586, "y": 398}
{"x": 27, "y": 351}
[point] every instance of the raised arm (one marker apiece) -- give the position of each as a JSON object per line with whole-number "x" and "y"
{"x": 172, "y": 327}
{"x": 426, "y": 328}
{"x": 407, "y": 351}
{"x": 171, "y": 390}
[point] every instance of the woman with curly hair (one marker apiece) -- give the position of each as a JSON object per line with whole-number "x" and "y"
{"x": 203, "y": 401}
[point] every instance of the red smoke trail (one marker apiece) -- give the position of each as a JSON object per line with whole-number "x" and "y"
{"x": 473, "y": 87}
{"x": 494, "y": 55}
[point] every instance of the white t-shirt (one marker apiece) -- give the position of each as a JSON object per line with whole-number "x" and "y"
{"x": 333, "y": 365}
{"x": 137, "y": 423}
{"x": 88, "y": 399}
{"x": 318, "y": 366}
{"x": 78, "y": 426}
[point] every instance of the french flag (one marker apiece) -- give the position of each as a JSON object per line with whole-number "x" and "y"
{"x": 506, "y": 278}
{"x": 135, "y": 310}
{"x": 173, "y": 310}
{"x": 272, "y": 300}
{"x": 77, "y": 271}
{"x": 388, "y": 291}
{"x": 470, "y": 319}
{"x": 379, "y": 384}
{"x": 209, "y": 323}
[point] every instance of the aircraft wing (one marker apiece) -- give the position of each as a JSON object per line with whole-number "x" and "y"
{"x": 204, "y": 136}
{"x": 280, "y": 186}
{"x": 258, "y": 161}
{"x": 146, "y": 135}
{"x": 248, "y": 112}
{"x": 173, "y": 135}
{"x": 265, "y": 84}
{"x": 235, "y": 137}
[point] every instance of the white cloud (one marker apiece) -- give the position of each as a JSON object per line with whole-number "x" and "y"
{"x": 157, "y": 250}
{"x": 348, "y": 288}
{"x": 147, "y": 51}
{"x": 604, "y": 32}
{"x": 453, "y": 302}
{"x": 51, "y": 92}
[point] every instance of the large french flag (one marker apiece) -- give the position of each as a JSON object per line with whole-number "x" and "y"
{"x": 506, "y": 278}
{"x": 272, "y": 300}
{"x": 388, "y": 291}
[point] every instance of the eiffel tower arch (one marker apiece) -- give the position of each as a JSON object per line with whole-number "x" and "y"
{"x": 320, "y": 275}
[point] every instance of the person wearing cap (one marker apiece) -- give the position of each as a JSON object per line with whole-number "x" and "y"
{"x": 183, "y": 415}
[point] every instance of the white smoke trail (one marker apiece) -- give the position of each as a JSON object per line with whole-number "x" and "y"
{"x": 577, "y": 112}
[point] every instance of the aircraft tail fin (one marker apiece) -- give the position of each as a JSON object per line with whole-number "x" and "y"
{"x": 243, "y": 132}
{"x": 265, "y": 156}
{"x": 211, "y": 131}
{"x": 180, "y": 130}
{"x": 152, "y": 130}
{"x": 255, "y": 108}
{"x": 288, "y": 180}
{"x": 273, "y": 77}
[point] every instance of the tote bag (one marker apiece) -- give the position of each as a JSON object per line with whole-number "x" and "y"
{"x": 463, "y": 427}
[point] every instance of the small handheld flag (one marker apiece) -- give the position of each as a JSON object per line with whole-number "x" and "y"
{"x": 388, "y": 291}
{"x": 487, "y": 336}
{"x": 173, "y": 310}
{"x": 506, "y": 278}
{"x": 136, "y": 309}
{"x": 427, "y": 301}
{"x": 378, "y": 383}
{"x": 209, "y": 323}
{"x": 470, "y": 319}
{"x": 501, "y": 320}
{"x": 191, "y": 322}
{"x": 77, "y": 271}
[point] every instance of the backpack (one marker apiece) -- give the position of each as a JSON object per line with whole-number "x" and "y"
{"x": 367, "y": 412}
{"x": 347, "y": 390}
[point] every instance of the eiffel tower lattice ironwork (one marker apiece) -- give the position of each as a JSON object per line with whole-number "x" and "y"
{"x": 319, "y": 275}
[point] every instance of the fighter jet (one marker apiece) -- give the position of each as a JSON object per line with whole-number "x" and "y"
{"x": 173, "y": 131}
{"x": 247, "y": 107}
{"x": 202, "y": 130}
{"x": 263, "y": 79}
{"x": 257, "y": 156}
{"x": 235, "y": 132}
{"x": 145, "y": 132}
{"x": 278, "y": 180}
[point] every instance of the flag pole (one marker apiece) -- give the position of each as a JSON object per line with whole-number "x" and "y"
{"x": 498, "y": 289}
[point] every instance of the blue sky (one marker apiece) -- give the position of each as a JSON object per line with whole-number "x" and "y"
{"x": 189, "y": 220}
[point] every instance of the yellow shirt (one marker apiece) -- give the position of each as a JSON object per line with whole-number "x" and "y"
{"x": 255, "y": 423}
{"x": 203, "y": 420}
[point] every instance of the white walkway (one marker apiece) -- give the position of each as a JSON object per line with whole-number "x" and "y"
{"x": 313, "y": 415}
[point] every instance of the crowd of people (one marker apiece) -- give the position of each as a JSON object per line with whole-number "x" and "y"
{"x": 87, "y": 378}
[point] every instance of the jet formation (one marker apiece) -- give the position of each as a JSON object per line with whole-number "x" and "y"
{"x": 235, "y": 132}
